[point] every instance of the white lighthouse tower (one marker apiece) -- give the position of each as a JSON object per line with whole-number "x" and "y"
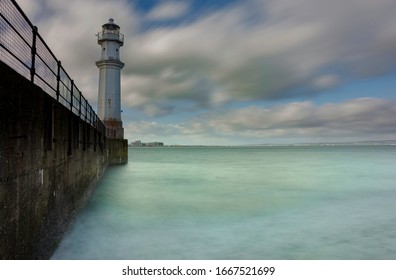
{"x": 109, "y": 98}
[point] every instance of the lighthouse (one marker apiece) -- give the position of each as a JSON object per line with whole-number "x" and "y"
{"x": 109, "y": 96}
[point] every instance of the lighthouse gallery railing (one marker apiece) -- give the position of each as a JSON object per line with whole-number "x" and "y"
{"x": 24, "y": 50}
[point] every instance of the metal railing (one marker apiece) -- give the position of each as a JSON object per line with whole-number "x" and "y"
{"x": 115, "y": 36}
{"x": 23, "y": 49}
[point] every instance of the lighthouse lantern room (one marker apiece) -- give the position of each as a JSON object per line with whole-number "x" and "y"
{"x": 109, "y": 97}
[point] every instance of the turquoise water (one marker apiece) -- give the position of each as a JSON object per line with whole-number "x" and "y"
{"x": 241, "y": 203}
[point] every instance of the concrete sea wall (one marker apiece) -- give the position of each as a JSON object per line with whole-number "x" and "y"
{"x": 50, "y": 161}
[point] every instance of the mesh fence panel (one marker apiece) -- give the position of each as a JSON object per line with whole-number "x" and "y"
{"x": 15, "y": 39}
{"x": 76, "y": 101}
{"x": 17, "y": 19}
{"x": 65, "y": 85}
{"x": 84, "y": 109}
{"x": 46, "y": 67}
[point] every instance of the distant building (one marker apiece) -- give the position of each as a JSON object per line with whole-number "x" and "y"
{"x": 139, "y": 143}
{"x": 154, "y": 144}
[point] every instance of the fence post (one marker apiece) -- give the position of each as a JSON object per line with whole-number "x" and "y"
{"x": 58, "y": 81}
{"x": 79, "y": 105}
{"x": 71, "y": 95}
{"x": 90, "y": 114}
{"x": 33, "y": 53}
{"x": 86, "y": 110}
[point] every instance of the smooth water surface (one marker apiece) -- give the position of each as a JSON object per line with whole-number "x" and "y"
{"x": 241, "y": 203}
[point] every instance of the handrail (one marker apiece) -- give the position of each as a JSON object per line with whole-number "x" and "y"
{"x": 23, "y": 49}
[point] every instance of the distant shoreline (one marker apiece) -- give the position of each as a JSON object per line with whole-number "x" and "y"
{"x": 319, "y": 144}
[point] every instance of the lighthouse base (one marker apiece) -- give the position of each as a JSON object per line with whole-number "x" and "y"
{"x": 114, "y": 129}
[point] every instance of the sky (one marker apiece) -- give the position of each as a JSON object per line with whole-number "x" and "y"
{"x": 217, "y": 72}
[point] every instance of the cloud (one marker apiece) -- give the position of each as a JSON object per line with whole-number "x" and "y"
{"x": 326, "y": 81}
{"x": 365, "y": 117}
{"x": 168, "y": 10}
{"x": 262, "y": 50}
{"x": 252, "y": 50}
{"x": 217, "y": 65}
{"x": 356, "y": 119}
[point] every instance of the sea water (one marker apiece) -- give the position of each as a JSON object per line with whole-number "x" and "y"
{"x": 241, "y": 203}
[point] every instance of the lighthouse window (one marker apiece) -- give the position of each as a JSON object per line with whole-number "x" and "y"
{"x": 117, "y": 50}
{"x": 104, "y": 48}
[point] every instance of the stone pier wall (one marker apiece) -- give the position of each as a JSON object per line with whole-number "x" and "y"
{"x": 50, "y": 161}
